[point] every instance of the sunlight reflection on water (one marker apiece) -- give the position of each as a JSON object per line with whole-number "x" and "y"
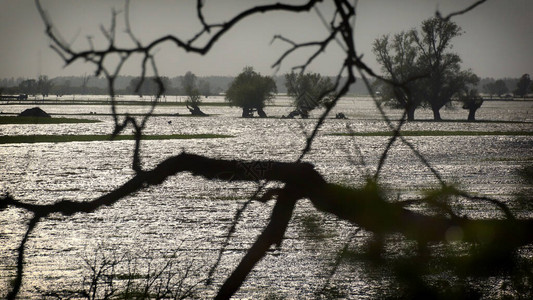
{"x": 194, "y": 214}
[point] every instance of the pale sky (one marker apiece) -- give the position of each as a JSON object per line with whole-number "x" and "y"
{"x": 497, "y": 40}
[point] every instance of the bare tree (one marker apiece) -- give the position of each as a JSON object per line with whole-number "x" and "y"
{"x": 365, "y": 207}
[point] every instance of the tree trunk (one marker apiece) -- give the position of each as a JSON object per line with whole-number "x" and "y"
{"x": 410, "y": 114}
{"x": 247, "y": 112}
{"x": 472, "y": 105}
{"x": 261, "y": 113}
{"x": 196, "y": 111}
{"x": 472, "y": 114}
{"x": 436, "y": 113}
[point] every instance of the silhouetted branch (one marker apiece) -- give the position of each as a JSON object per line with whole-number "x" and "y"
{"x": 364, "y": 206}
{"x": 231, "y": 231}
{"x": 457, "y": 13}
{"x": 272, "y": 235}
{"x": 321, "y": 45}
{"x": 17, "y": 282}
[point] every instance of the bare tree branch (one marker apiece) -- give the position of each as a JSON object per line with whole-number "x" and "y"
{"x": 461, "y": 12}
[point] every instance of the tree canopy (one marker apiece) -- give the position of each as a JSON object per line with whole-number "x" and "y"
{"x": 522, "y": 86}
{"x": 309, "y": 91}
{"x": 497, "y": 87}
{"x": 250, "y": 91}
{"x": 419, "y": 67}
{"x": 151, "y": 86}
{"x": 398, "y": 60}
{"x": 189, "y": 85}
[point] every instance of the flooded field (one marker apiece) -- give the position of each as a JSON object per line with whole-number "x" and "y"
{"x": 189, "y": 217}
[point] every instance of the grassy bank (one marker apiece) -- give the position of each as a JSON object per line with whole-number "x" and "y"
{"x": 91, "y": 138}
{"x": 436, "y": 133}
{"x": 40, "y": 120}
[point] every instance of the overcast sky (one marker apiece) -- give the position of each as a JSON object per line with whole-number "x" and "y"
{"x": 497, "y": 40}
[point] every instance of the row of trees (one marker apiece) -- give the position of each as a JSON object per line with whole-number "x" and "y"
{"x": 87, "y": 85}
{"x": 150, "y": 86}
{"x": 250, "y": 91}
{"x": 421, "y": 71}
{"x": 499, "y": 87}
{"x": 44, "y": 86}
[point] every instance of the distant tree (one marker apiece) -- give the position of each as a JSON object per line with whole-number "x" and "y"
{"x": 446, "y": 78}
{"x": 420, "y": 67}
{"x": 490, "y": 88}
{"x": 471, "y": 101}
{"x": 309, "y": 91}
{"x": 189, "y": 86}
{"x": 66, "y": 88}
{"x": 523, "y": 86}
{"x": 204, "y": 88}
{"x": 44, "y": 85}
{"x": 500, "y": 87}
{"x": 149, "y": 86}
{"x": 398, "y": 60}
{"x": 497, "y": 87}
{"x": 85, "y": 80}
{"x": 250, "y": 90}
{"x": 28, "y": 86}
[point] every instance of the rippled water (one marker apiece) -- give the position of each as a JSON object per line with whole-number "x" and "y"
{"x": 193, "y": 215}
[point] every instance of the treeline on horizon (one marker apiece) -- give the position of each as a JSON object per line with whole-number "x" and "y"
{"x": 68, "y": 85}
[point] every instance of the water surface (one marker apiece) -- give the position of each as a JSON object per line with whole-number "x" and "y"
{"x": 191, "y": 215}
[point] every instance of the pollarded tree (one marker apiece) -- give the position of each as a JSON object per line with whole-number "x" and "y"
{"x": 398, "y": 58}
{"x": 445, "y": 78}
{"x": 190, "y": 87}
{"x": 250, "y": 91}
{"x": 309, "y": 91}
{"x": 522, "y": 87}
{"x": 471, "y": 101}
{"x": 420, "y": 68}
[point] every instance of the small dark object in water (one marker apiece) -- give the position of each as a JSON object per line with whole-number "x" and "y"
{"x": 169, "y": 122}
{"x": 34, "y": 112}
{"x": 340, "y": 116}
